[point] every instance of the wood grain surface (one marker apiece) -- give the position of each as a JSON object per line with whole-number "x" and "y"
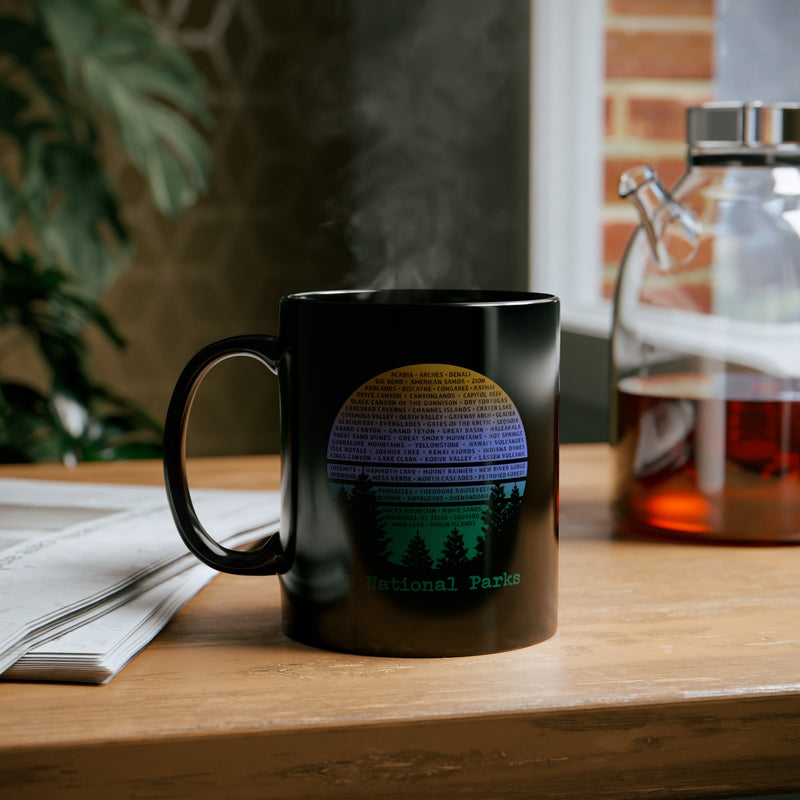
{"x": 675, "y": 673}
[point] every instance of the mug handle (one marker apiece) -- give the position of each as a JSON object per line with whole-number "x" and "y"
{"x": 264, "y": 560}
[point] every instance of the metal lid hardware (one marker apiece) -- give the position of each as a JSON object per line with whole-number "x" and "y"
{"x": 743, "y": 125}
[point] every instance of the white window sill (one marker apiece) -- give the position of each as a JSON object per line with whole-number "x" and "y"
{"x": 588, "y": 320}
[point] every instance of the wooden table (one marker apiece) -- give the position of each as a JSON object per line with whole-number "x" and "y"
{"x": 675, "y": 673}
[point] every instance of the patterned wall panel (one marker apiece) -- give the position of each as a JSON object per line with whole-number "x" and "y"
{"x": 355, "y": 142}
{"x": 262, "y": 231}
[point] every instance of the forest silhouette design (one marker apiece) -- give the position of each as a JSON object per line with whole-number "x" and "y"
{"x": 489, "y": 555}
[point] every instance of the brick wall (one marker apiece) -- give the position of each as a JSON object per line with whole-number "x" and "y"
{"x": 659, "y": 61}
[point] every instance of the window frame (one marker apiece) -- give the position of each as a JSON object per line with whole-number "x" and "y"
{"x": 567, "y": 67}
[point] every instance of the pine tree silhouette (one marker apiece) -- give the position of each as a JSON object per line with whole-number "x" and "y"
{"x": 454, "y": 552}
{"x": 417, "y": 555}
{"x": 500, "y": 521}
{"x": 511, "y": 511}
{"x": 366, "y": 517}
{"x": 480, "y": 549}
{"x": 493, "y": 517}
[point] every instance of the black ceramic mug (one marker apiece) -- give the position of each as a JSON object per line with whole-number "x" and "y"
{"x": 419, "y": 469}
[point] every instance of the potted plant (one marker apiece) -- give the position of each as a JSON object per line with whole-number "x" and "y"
{"x": 70, "y": 71}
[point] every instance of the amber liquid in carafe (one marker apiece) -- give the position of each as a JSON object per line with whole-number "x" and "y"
{"x": 712, "y": 457}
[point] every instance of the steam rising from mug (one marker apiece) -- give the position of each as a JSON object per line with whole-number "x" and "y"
{"x": 437, "y": 112}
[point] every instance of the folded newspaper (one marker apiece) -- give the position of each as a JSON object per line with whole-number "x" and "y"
{"x": 89, "y": 573}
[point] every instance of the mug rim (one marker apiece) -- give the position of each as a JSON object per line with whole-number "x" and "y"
{"x": 426, "y": 297}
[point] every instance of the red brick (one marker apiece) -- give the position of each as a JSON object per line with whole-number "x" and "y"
{"x": 663, "y": 8}
{"x": 659, "y": 54}
{"x": 699, "y": 263}
{"x": 609, "y": 283}
{"x": 668, "y": 169}
{"x": 688, "y": 296}
{"x": 615, "y": 239}
{"x": 657, "y": 119}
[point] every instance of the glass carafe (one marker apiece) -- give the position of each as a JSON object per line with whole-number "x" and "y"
{"x": 706, "y": 337}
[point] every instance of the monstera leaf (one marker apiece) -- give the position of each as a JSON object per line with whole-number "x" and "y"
{"x": 72, "y": 204}
{"x": 112, "y": 53}
{"x": 74, "y": 64}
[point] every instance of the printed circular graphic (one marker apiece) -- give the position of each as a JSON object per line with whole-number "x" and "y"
{"x": 431, "y": 452}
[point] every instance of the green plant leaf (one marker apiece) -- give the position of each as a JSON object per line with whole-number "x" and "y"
{"x": 176, "y": 165}
{"x": 12, "y": 103}
{"x": 22, "y": 41}
{"x": 34, "y": 427}
{"x": 28, "y": 431}
{"x": 9, "y": 207}
{"x": 74, "y": 209}
{"x": 148, "y": 86}
{"x": 32, "y": 74}
{"x": 42, "y": 303}
{"x": 61, "y": 69}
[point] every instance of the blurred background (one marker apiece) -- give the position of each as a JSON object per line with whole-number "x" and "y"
{"x": 364, "y": 143}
